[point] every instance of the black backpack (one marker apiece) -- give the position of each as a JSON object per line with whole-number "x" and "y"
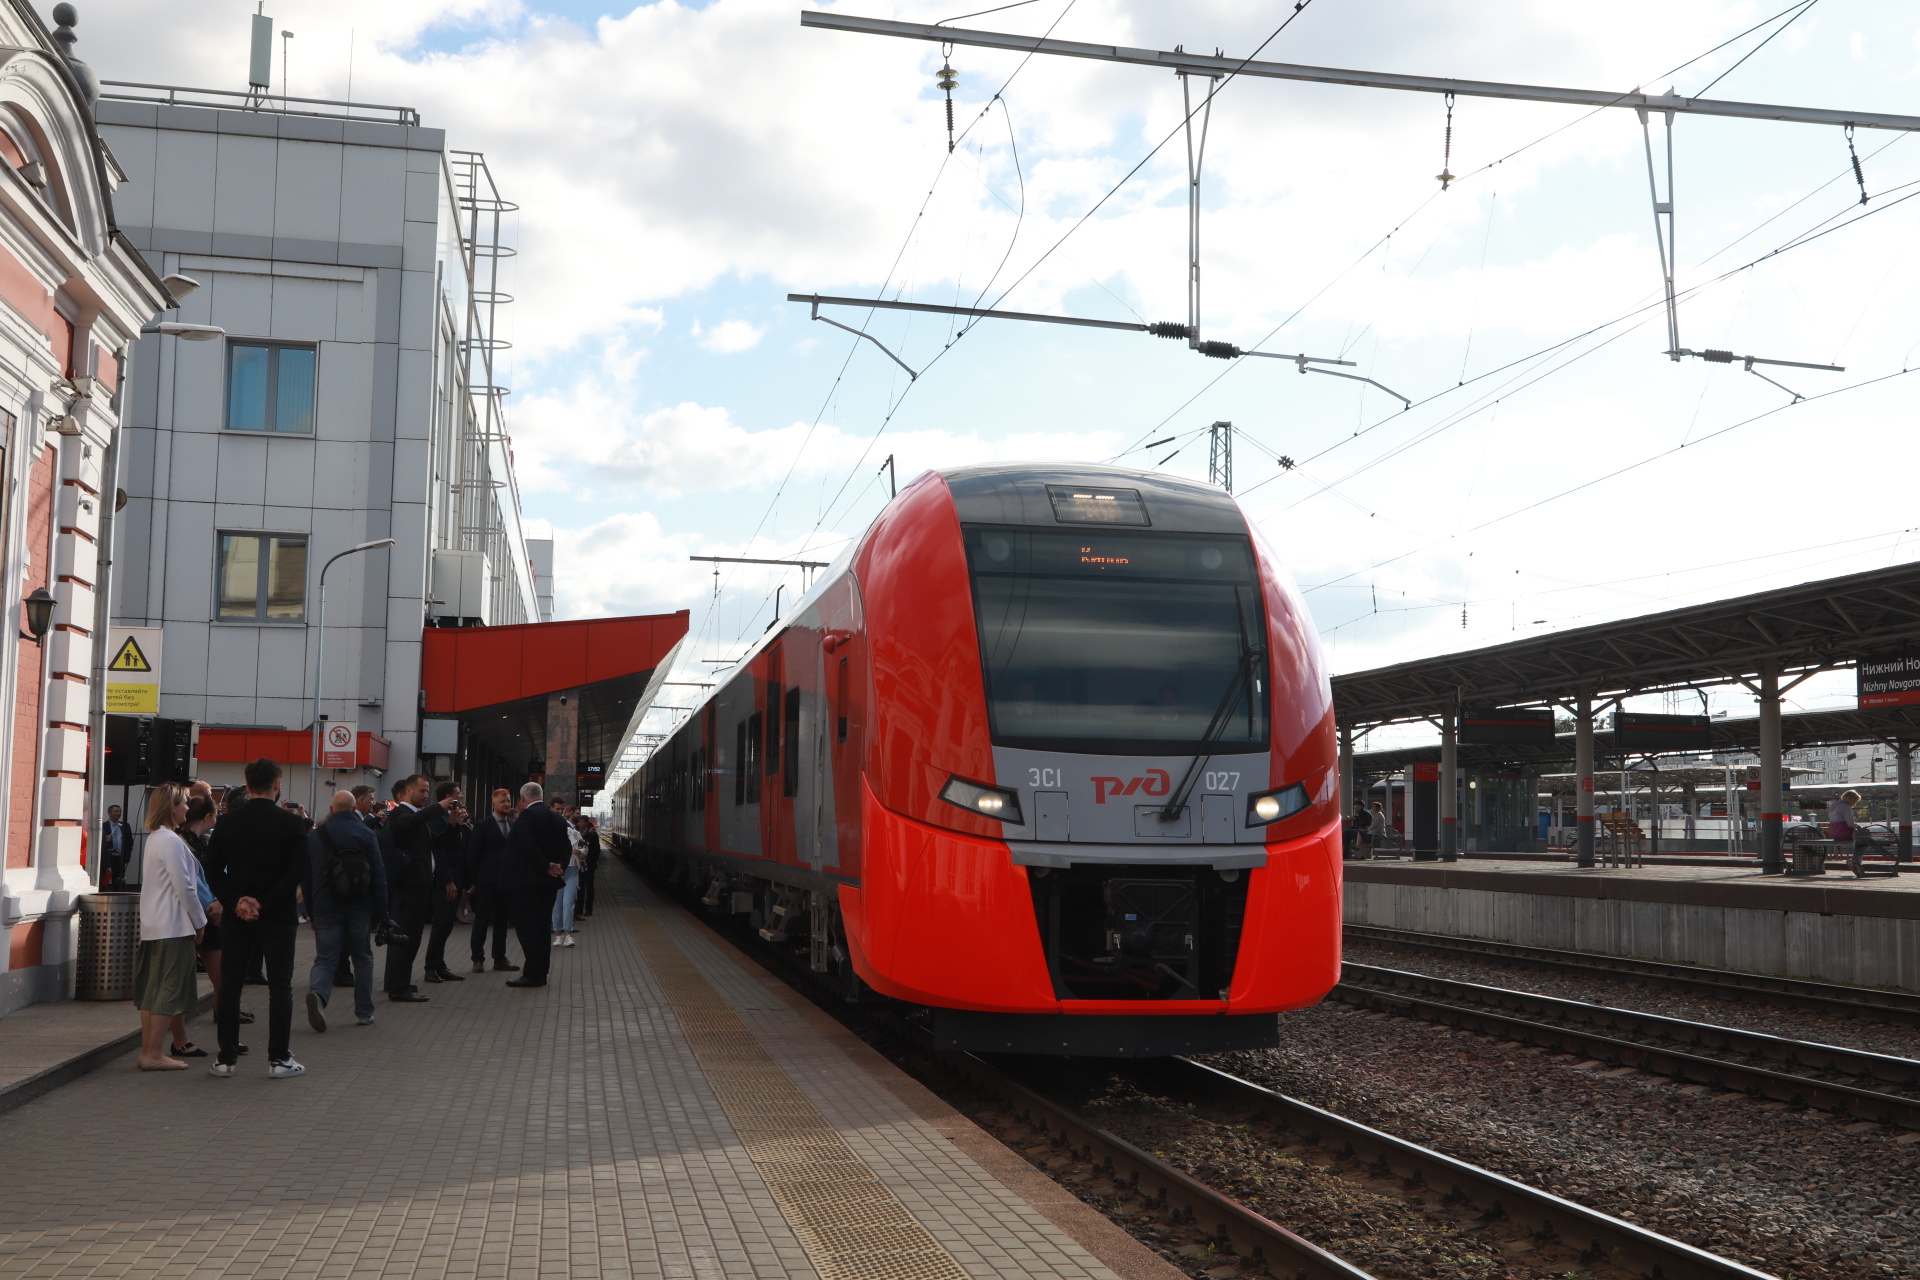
{"x": 348, "y": 871}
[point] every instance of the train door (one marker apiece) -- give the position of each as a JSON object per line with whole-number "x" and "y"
{"x": 776, "y": 818}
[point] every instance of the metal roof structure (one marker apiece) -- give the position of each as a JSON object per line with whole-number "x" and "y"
{"x": 1803, "y": 628}
{"x": 1806, "y": 729}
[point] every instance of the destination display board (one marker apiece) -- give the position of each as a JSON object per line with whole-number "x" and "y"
{"x": 1506, "y": 726}
{"x": 1645, "y": 731}
{"x": 1887, "y": 680}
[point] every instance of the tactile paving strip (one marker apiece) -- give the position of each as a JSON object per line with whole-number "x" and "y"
{"x": 851, "y": 1225}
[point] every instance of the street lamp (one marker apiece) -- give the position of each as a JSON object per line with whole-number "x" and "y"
{"x": 319, "y": 653}
{"x": 190, "y": 332}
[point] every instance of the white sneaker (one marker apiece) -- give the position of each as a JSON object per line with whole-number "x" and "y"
{"x": 367, "y": 1021}
{"x": 566, "y": 940}
{"x": 222, "y": 1069}
{"x": 284, "y": 1070}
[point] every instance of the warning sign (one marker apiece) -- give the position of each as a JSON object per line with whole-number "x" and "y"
{"x": 337, "y": 744}
{"x": 133, "y": 672}
{"x": 130, "y": 658}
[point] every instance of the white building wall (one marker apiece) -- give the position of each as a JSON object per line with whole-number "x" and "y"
{"x": 331, "y": 232}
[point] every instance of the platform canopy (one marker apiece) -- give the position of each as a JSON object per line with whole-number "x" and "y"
{"x": 1802, "y": 628}
{"x": 1806, "y": 729}
{"x": 499, "y": 682}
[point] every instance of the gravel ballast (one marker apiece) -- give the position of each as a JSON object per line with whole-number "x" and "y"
{"x": 1799, "y": 1194}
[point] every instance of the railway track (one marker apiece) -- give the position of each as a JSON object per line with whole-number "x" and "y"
{"x": 1600, "y": 1239}
{"x": 1867, "y": 1003}
{"x": 1665, "y": 1046}
{"x": 1596, "y": 1236}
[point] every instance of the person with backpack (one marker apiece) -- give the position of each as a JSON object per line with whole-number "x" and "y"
{"x": 346, "y": 885}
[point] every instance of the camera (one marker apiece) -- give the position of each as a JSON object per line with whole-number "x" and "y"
{"x": 386, "y": 933}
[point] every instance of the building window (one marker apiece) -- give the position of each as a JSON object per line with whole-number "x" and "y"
{"x": 263, "y": 577}
{"x": 269, "y": 388}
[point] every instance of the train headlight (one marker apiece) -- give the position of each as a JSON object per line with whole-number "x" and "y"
{"x": 977, "y": 797}
{"x": 1271, "y": 806}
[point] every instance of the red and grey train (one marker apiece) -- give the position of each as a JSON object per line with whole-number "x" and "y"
{"x": 1047, "y": 755}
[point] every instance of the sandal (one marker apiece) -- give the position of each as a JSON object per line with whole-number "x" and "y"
{"x": 162, "y": 1066}
{"x": 188, "y": 1050}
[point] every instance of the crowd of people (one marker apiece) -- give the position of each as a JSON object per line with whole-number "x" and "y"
{"x": 227, "y": 881}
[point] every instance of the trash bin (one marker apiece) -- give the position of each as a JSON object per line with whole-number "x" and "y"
{"x": 109, "y": 935}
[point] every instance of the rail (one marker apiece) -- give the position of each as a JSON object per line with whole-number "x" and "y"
{"x": 1248, "y": 1233}
{"x": 1596, "y": 1234}
{"x": 1441, "y": 1000}
{"x": 1795, "y": 993}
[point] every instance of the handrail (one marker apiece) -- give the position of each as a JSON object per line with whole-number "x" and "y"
{"x": 255, "y": 100}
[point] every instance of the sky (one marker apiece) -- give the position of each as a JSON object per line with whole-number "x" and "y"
{"x": 681, "y": 168}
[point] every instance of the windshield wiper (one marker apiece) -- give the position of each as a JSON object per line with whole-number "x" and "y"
{"x": 1242, "y": 681}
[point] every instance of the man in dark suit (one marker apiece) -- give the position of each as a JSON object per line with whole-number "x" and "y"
{"x": 407, "y": 842}
{"x": 536, "y": 859}
{"x": 486, "y": 857}
{"x": 255, "y": 858}
{"x": 451, "y": 880}
{"x": 116, "y": 845}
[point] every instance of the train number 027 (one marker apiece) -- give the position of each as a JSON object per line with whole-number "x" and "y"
{"x": 1043, "y": 777}
{"x": 1222, "y": 781}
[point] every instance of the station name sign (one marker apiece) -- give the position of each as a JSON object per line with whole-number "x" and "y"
{"x": 1888, "y": 680}
{"x": 1506, "y": 726}
{"x": 1644, "y": 731}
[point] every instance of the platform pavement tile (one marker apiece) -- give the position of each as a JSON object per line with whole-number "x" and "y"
{"x": 560, "y": 1105}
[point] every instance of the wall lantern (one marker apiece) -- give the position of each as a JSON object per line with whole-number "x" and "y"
{"x": 39, "y": 608}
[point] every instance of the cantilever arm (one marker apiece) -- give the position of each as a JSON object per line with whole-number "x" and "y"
{"x": 869, "y": 337}
{"x": 1335, "y": 373}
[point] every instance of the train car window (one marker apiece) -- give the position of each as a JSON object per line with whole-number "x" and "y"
{"x": 1119, "y": 641}
{"x": 740, "y": 763}
{"x": 750, "y": 766}
{"x": 773, "y": 728}
{"x": 840, "y": 734}
{"x": 790, "y": 783}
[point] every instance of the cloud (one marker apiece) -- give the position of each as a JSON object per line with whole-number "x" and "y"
{"x": 591, "y": 438}
{"x": 729, "y": 336}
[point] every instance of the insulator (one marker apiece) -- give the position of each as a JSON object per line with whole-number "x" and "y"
{"x": 949, "y": 78}
{"x": 1169, "y": 329}
{"x": 1220, "y": 350}
{"x": 1717, "y": 357}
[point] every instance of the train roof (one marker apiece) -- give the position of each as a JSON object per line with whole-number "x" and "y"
{"x": 1017, "y": 494}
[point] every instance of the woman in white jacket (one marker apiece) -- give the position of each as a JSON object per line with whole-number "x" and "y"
{"x": 171, "y": 919}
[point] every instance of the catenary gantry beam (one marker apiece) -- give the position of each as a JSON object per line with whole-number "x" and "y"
{"x": 1180, "y": 61}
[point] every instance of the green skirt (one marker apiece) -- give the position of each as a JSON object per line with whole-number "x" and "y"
{"x": 163, "y": 980}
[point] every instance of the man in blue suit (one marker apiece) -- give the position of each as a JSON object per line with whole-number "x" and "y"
{"x": 536, "y": 859}
{"x": 486, "y": 859}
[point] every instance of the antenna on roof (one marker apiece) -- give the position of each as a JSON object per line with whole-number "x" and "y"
{"x": 260, "y": 58}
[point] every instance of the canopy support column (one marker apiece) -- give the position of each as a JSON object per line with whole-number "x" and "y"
{"x": 1772, "y": 809}
{"x": 1904, "y": 776}
{"x": 1346, "y": 788}
{"x": 1583, "y": 767}
{"x": 1449, "y": 788}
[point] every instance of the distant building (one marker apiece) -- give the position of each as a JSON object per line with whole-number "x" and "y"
{"x": 352, "y": 261}
{"x": 73, "y": 296}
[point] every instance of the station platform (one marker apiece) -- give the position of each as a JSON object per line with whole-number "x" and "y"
{"x": 661, "y": 1109}
{"x": 1830, "y": 928}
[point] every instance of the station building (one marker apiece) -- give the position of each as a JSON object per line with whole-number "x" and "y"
{"x": 351, "y": 263}
{"x": 74, "y": 294}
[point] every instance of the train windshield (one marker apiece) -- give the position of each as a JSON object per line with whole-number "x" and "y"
{"x": 1120, "y": 642}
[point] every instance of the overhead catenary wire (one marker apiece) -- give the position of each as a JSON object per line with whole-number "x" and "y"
{"x": 1079, "y": 222}
{"x": 1420, "y": 208}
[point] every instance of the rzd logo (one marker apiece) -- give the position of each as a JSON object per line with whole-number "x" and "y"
{"x": 1156, "y": 783}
